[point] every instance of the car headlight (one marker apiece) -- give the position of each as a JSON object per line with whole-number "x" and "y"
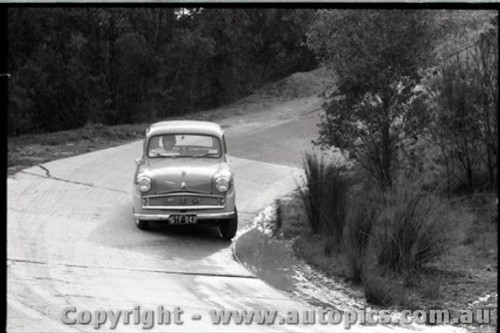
{"x": 144, "y": 184}
{"x": 222, "y": 184}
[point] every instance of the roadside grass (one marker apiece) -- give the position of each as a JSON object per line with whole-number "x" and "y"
{"x": 410, "y": 248}
{"x": 325, "y": 197}
{"x": 357, "y": 233}
{"x": 28, "y": 150}
{"x": 410, "y": 228}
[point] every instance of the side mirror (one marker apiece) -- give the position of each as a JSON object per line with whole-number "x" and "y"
{"x": 139, "y": 161}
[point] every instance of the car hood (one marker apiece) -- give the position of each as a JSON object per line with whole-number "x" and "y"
{"x": 182, "y": 174}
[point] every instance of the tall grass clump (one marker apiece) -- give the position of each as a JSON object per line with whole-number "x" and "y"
{"x": 325, "y": 194}
{"x": 411, "y": 228}
{"x": 357, "y": 232}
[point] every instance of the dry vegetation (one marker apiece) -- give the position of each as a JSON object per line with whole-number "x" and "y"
{"x": 407, "y": 248}
{"x": 413, "y": 221}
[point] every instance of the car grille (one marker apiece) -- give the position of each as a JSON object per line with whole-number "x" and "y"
{"x": 184, "y": 200}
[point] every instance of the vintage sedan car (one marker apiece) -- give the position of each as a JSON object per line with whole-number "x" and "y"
{"x": 183, "y": 177}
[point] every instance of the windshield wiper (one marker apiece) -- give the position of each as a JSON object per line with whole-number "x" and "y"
{"x": 204, "y": 155}
{"x": 165, "y": 155}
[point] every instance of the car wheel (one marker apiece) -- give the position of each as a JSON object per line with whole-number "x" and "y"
{"x": 143, "y": 225}
{"x": 228, "y": 228}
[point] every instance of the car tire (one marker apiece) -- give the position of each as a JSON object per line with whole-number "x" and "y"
{"x": 143, "y": 225}
{"x": 229, "y": 227}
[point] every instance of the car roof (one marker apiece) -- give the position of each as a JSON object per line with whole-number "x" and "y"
{"x": 184, "y": 126}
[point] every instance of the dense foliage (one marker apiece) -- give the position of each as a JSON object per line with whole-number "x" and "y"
{"x": 405, "y": 77}
{"x": 460, "y": 105}
{"x": 73, "y": 66}
{"x": 377, "y": 56}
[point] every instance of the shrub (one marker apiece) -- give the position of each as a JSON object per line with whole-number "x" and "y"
{"x": 325, "y": 194}
{"x": 411, "y": 228}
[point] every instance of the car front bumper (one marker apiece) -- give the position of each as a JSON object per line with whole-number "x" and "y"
{"x": 201, "y": 216}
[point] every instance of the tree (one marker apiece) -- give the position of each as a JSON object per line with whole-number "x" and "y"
{"x": 461, "y": 103}
{"x": 73, "y": 66}
{"x": 378, "y": 56}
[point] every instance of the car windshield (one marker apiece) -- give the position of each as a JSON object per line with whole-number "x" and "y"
{"x": 184, "y": 145}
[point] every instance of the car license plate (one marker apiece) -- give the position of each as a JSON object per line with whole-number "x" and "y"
{"x": 182, "y": 219}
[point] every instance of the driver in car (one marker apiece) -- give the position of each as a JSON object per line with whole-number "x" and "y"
{"x": 168, "y": 142}
{"x": 164, "y": 145}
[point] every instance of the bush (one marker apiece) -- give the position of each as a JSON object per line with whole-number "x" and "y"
{"x": 411, "y": 228}
{"x": 325, "y": 194}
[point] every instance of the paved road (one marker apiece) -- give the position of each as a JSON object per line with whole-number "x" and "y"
{"x": 72, "y": 240}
